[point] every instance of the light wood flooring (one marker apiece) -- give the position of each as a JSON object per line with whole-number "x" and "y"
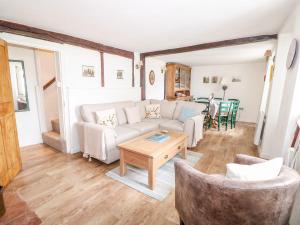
{"x": 67, "y": 189}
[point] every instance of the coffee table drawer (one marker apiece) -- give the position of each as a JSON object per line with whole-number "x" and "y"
{"x": 164, "y": 157}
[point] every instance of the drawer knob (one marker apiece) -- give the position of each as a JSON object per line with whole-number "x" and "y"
{"x": 166, "y": 156}
{"x": 179, "y": 147}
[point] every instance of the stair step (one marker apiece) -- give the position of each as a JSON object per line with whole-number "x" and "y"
{"x": 53, "y": 139}
{"x": 55, "y": 125}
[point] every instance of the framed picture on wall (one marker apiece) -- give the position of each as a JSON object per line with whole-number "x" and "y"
{"x": 88, "y": 71}
{"x": 120, "y": 74}
{"x": 205, "y": 80}
{"x": 214, "y": 79}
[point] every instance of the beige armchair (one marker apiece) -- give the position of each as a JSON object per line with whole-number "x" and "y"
{"x": 202, "y": 199}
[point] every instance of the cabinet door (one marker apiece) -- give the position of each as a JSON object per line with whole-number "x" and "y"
{"x": 177, "y": 78}
{"x": 10, "y": 161}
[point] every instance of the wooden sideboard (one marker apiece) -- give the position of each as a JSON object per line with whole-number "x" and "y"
{"x": 178, "y": 82}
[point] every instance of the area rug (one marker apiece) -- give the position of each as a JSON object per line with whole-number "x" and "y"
{"x": 137, "y": 178}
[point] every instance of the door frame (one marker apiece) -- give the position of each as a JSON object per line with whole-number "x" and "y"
{"x": 62, "y": 106}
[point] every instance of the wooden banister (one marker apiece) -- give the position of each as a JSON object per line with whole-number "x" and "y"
{"x": 48, "y": 84}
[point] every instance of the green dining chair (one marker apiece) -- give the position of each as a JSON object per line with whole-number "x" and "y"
{"x": 233, "y": 113}
{"x": 224, "y": 114}
{"x": 233, "y": 99}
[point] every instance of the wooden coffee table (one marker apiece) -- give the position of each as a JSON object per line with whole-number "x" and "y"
{"x": 150, "y": 155}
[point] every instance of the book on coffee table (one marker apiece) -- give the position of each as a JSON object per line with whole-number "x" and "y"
{"x": 158, "y": 137}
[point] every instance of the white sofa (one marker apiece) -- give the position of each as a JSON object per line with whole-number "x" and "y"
{"x": 90, "y": 132}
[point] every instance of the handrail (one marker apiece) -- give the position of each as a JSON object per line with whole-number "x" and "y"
{"x": 48, "y": 84}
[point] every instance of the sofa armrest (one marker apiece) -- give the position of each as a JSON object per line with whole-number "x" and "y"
{"x": 247, "y": 160}
{"x": 98, "y": 137}
{"x": 193, "y": 127}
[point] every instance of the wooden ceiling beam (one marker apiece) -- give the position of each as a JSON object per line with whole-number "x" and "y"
{"x": 20, "y": 29}
{"x": 217, "y": 44}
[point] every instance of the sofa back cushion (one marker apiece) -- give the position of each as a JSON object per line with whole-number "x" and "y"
{"x": 152, "y": 111}
{"x": 88, "y": 111}
{"x": 107, "y": 118}
{"x": 197, "y": 107}
{"x": 142, "y": 107}
{"x": 133, "y": 114}
{"x": 167, "y": 108}
{"x": 187, "y": 113}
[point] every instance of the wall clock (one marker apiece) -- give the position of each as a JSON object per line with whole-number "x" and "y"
{"x": 292, "y": 54}
{"x": 151, "y": 77}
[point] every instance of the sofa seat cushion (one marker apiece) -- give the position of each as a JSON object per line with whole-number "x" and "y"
{"x": 172, "y": 125}
{"x": 144, "y": 127}
{"x": 124, "y": 133}
{"x": 155, "y": 121}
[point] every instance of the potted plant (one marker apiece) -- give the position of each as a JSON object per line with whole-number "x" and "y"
{"x": 2, "y": 208}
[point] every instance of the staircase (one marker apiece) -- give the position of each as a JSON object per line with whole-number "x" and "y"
{"x": 52, "y": 138}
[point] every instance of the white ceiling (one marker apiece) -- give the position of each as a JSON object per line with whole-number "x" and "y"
{"x": 248, "y": 53}
{"x": 148, "y": 25}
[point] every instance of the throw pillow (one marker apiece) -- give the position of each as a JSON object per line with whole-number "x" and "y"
{"x": 255, "y": 172}
{"x": 187, "y": 113}
{"x": 152, "y": 111}
{"x": 133, "y": 114}
{"x": 107, "y": 118}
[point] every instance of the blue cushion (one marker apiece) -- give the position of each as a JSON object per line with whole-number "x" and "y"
{"x": 187, "y": 113}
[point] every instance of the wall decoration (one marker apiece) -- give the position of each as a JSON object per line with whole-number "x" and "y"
{"x": 292, "y": 54}
{"x": 214, "y": 79}
{"x": 236, "y": 79}
{"x": 120, "y": 74}
{"x": 88, "y": 71}
{"x": 151, "y": 77}
{"x": 19, "y": 86}
{"x": 205, "y": 80}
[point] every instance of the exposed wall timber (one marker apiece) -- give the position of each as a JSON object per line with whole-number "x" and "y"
{"x": 33, "y": 32}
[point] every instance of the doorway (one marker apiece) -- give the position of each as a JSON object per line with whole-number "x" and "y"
{"x": 34, "y": 74}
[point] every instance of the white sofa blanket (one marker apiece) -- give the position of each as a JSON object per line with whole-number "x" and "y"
{"x": 94, "y": 140}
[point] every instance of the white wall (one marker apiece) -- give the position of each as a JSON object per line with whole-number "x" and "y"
{"x": 155, "y": 91}
{"x": 76, "y": 89}
{"x": 249, "y": 90}
{"x": 28, "y": 125}
{"x": 46, "y": 68}
{"x": 285, "y": 109}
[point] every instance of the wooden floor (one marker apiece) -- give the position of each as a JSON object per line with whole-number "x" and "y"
{"x": 67, "y": 189}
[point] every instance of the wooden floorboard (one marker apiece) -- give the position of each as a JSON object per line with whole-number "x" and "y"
{"x": 67, "y": 189}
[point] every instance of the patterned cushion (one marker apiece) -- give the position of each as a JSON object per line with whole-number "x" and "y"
{"x": 107, "y": 118}
{"x": 153, "y": 111}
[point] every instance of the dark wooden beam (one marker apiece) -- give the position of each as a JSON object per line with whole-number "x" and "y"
{"x": 102, "y": 68}
{"x": 217, "y": 44}
{"x": 132, "y": 80}
{"x": 142, "y": 78}
{"x": 20, "y": 29}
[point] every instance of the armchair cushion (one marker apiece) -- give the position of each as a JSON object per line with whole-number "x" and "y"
{"x": 260, "y": 171}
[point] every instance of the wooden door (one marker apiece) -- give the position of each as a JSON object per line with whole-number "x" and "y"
{"x": 10, "y": 161}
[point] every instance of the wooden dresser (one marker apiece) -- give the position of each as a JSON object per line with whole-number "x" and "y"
{"x": 178, "y": 82}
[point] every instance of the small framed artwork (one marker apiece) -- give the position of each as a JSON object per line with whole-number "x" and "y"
{"x": 88, "y": 71}
{"x": 236, "y": 79}
{"x": 214, "y": 79}
{"x": 205, "y": 80}
{"x": 120, "y": 74}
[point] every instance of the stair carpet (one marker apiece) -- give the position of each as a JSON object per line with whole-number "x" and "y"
{"x": 52, "y": 138}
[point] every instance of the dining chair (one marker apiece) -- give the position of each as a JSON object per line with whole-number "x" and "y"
{"x": 219, "y": 99}
{"x": 233, "y": 99}
{"x": 233, "y": 113}
{"x": 224, "y": 113}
